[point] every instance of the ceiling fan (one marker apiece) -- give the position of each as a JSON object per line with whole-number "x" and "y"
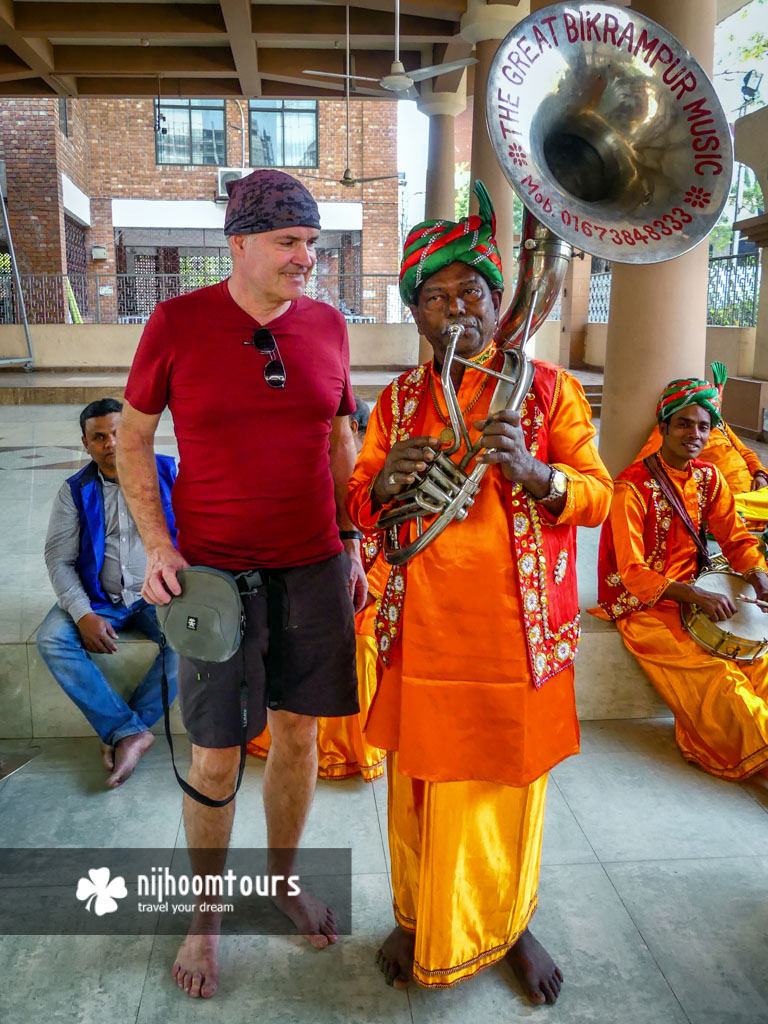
{"x": 348, "y": 179}
{"x": 399, "y": 80}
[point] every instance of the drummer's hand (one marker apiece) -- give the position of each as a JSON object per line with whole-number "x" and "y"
{"x": 404, "y": 460}
{"x": 717, "y": 606}
{"x": 759, "y": 480}
{"x": 759, "y": 583}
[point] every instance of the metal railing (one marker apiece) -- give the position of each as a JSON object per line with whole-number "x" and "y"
{"x": 131, "y": 298}
{"x": 734, "y": 284}
{"x": 732, "y": 296}
{"x": 599, "y": 298}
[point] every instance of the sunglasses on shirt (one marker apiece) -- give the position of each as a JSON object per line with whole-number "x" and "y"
{"x": 274, "y": 372}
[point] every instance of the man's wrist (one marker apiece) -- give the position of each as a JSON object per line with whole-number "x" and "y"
{"x": 350, "y": 535}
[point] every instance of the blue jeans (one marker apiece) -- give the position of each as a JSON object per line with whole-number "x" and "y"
{"x": 61, "y": 648}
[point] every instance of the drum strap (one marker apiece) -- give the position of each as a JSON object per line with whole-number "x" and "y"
{"x": 654, "y": 466}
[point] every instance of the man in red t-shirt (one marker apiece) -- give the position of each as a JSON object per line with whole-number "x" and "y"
{"x": 256, "y": 376}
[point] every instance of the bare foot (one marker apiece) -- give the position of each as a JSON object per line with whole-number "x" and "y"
{"x": 313, "y": 919}
{"x": 108, "y": 756}
{"x": 196, "y": 969}
{"x": 535, "y": 969}
{"x": 395, "y": 957}
{"x": 128, "y": 752}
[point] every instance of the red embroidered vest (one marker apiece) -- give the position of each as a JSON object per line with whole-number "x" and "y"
{"x": 544, "y": 554}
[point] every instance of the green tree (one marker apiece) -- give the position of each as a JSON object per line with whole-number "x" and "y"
{"x": 461, "y": 180}
{"x": 756, "y": 46}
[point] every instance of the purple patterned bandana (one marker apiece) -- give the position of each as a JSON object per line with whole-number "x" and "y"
{"x": 268, "y": 201}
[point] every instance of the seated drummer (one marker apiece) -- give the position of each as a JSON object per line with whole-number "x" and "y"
{"x": 647, "y": 568}
{"x": 745, "y": 475}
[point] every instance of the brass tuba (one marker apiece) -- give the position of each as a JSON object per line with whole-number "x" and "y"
{"x": 613, "y": 137}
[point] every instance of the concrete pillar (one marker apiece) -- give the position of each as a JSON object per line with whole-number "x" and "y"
{"x": 486, "y": 25}
{"x": 657, "y": 323}
{"x": 574, "y": 312}
{"x": 442, "y": 108}
{"x": 751, "y": 144}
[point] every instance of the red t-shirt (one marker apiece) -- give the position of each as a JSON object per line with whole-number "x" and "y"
{"x": 254, "y": 485}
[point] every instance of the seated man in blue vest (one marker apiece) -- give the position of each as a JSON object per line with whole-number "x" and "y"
{"x": 96, "y": 564}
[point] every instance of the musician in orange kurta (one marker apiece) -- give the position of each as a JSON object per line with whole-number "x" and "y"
{"x": 477, "y": 632}
{"x": 647, "y": 570}
{"x": 746, "y": 476}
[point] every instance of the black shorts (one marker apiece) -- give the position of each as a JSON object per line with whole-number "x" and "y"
{"x": 315, "y": 673}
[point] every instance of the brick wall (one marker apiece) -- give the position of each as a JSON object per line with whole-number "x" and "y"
{"x": 72, "y": 148}
{"x": 110, "y": 153}
{"x": 35, "y": 214}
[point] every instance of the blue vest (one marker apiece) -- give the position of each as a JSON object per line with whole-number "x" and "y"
{"x": 88, "y": 496}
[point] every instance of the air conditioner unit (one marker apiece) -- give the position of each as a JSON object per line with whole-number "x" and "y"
{"x": 226, "y": 174}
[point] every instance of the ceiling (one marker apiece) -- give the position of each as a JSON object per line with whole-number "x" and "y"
{"x": 228, "y": 48}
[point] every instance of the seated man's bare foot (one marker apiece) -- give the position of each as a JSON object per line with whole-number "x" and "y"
{"x": 395, "y": 957}
{"x": 128, "y": 752}
{"x": 313, "y": 919}
{"x": 108, "y": 756}
{"x": 196, "y": 969}
{"x": 535, "y": 969}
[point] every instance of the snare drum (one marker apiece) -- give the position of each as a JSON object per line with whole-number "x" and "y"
{"x": 743, "y": 637}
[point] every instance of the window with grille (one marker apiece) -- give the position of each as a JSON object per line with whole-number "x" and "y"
{"x": 195, "y": 132}
{"x": 283, "y": 133}
{"x": 63, "y": 118}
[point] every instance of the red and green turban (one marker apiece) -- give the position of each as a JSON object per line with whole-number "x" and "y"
{"x": 435, "y": 244}
{"x": 691, "y": 391}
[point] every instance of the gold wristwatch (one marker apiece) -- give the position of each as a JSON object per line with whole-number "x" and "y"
{"x": 558, "y": 485}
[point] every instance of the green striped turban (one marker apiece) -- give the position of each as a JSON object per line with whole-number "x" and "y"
{"x": 691, "y": 391}
{"x": 435, "y": 244}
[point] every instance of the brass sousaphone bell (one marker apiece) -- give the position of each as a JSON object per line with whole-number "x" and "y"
{"x": 613, "y": 137}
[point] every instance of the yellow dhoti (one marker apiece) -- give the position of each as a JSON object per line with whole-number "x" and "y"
{"x": 753, "y": 507}
{"x": 720, "y": 706}
{"x": 465, "y": 869}
{"x": 342, "y": 750}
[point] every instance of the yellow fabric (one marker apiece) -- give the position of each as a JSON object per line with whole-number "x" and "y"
{"x": 720, "y": 706}
{"x": 465, "y": 869}
{"x": 753, "y": 506}
{"x": 342, "y": 750}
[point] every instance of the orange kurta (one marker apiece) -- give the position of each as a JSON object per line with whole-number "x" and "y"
{"x": 720, "y": 706}
{"x": 737, "y": 463}
{"x": 471, "y": 736}
{"x": 463, "y": 705}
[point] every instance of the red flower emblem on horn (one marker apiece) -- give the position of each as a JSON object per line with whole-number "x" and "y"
{"x": 696, "y": 196}
{"x": 518, "y": 155}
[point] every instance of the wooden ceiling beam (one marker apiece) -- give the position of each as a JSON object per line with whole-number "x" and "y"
{"x": 290, "y": 63}
{"x": 119, "y": 21}
{"x": 208, "y": 61}
{"x": 37, "y": 54}
{"x": 450, "y": 10}
{"x": 237, "y": 18}
{"x": 277, "y": 23}
{"x": 170, "y": 88}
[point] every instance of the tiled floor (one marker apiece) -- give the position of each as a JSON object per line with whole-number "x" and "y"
{"x": 654, "y": 881}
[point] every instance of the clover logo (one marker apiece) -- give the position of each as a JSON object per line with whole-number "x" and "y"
{"x": 99, "y": 888}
